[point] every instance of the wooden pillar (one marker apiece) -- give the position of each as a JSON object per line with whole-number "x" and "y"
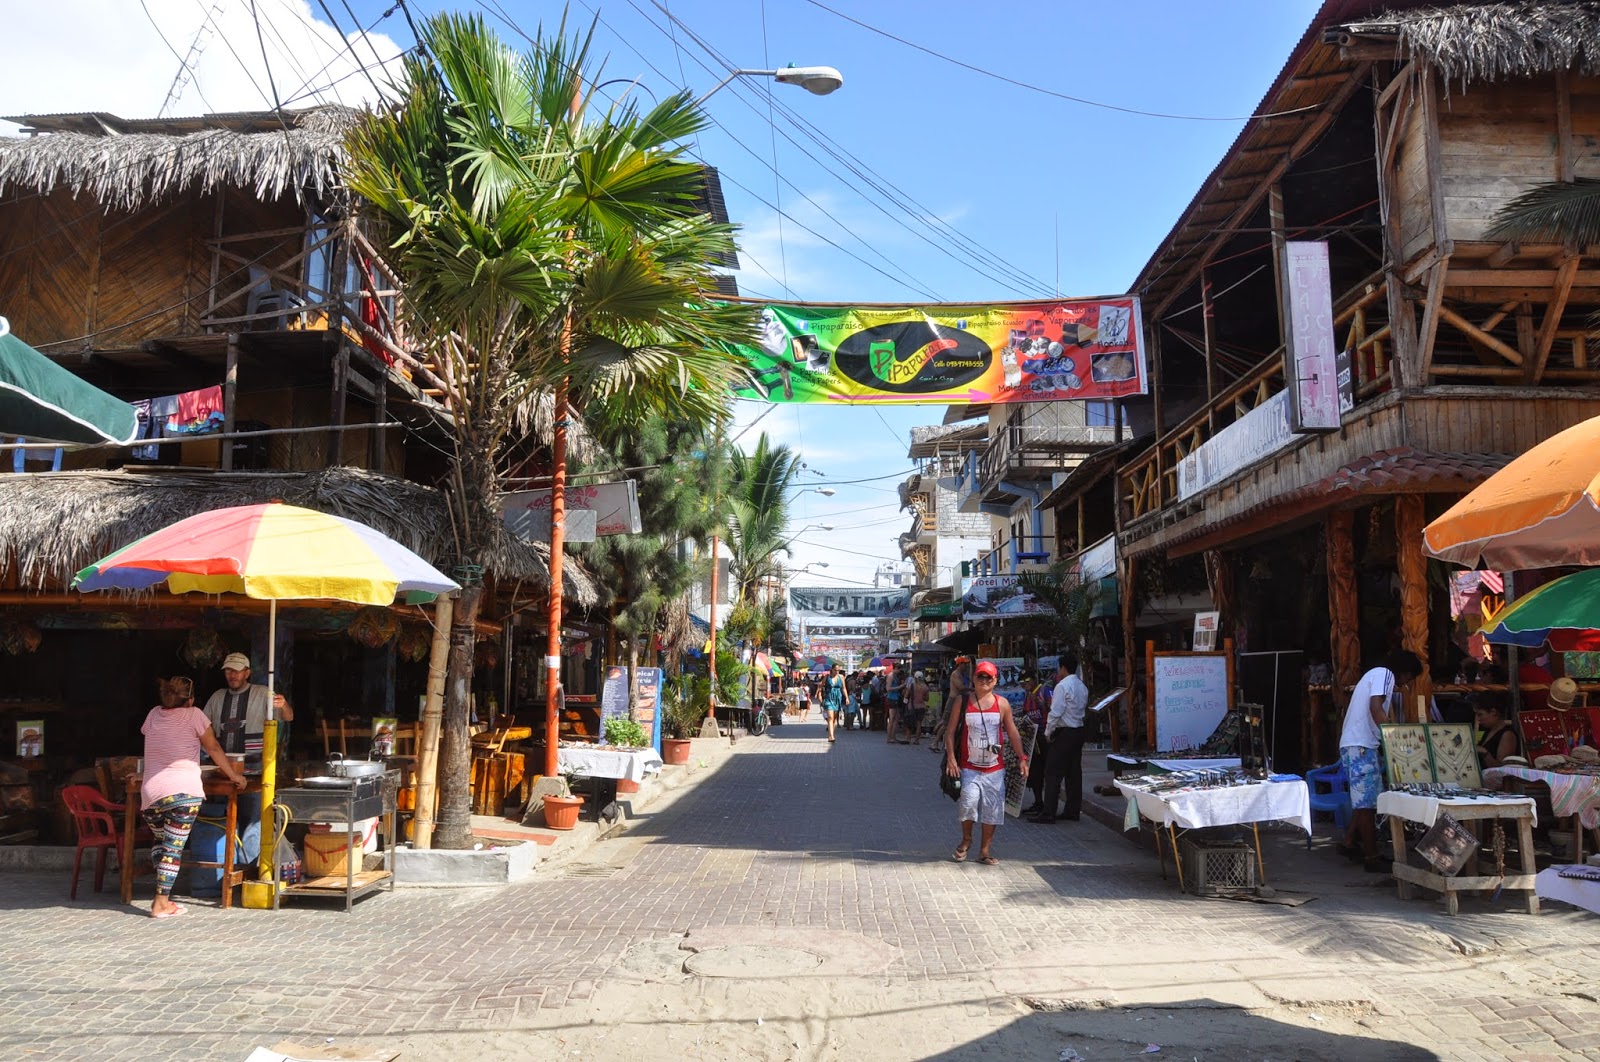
{"x": 1219, "y": 580}
{"x": 1344, "y": 610}
{"x": 1279, "y": 281}
{"x": 377, "y": 459}
{"x": 230, "y": 395}
{"x": 1150, "y": 695}
{"x": 1413, "y": 566}
{"x": 1129, "y": 571}
{"x": 336, "y": 402}
{"x": 1158, "y": 408}
{"x": 1207, "y": 312}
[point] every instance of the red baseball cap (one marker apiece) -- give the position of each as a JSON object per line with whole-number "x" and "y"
{"x": 986, "y": 667}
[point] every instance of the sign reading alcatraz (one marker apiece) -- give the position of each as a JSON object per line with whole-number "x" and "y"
{"x": 849, "y": 601}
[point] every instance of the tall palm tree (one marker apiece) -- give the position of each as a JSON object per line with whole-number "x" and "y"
{"x": 758, "y": 513}
{"x": 538, "y": 243}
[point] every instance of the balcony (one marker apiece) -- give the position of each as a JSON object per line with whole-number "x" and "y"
{"x": 1030, "y": 453}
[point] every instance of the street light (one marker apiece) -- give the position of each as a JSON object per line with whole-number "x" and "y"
{"x": 817, "y": 80}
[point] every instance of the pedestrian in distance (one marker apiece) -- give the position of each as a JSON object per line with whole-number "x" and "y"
{"x": 1036, "y": 710}
{"x": 917, "y": 711}
{"x": 834, "y": 698}
{"x": 978, "y": 724}
{"x": 1064, "y": 733}
{"x": 1372, "y": 704}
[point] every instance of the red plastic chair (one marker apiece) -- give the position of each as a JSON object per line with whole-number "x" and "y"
{"x": 97, "y": 829}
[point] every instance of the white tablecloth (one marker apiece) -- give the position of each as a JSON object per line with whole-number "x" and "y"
{"x": 1195, "y": 765}
{"x": 1550, "y": 885}
{"x": 1425, "y": 809}
{"x": 1230, "y": 806}
{"x": 600, "y": 761}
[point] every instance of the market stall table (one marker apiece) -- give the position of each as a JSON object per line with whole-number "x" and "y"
{"x": 1579, "y": 892}
{"x": 1250, "y": 803}
{"x": 1408, "y": 807}
{"x": 216, "y": 784}
{"x": 1572, "y": 795}
{"x": 608, "y": 765}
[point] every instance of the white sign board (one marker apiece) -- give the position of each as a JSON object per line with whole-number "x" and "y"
{"x": 1191, "y": 694}
{"x": 615, "y": 507}
{"x": 1310, "y": 355}
{"x": 1260, "y": 433}
{"x": 533, "y": 524}
{"x": 999, "y": 597}
{"x": 1099, "y": 561}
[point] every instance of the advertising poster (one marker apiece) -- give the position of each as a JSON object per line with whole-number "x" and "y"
{"x": 30, "y": 738}
{"x": 998, "y": 597}
{"x": 849, "y": 601}
{"x": 383, "y": 729}
{"x": 944, "y": 354}
{"x": 647, "y": 704}
{"x": 613, "y": 696}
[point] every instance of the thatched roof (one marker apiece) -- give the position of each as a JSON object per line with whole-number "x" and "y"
{"x": 52, "y": 525}
{"x": 129, "y": 164}
{"x": 1486, "y": 42}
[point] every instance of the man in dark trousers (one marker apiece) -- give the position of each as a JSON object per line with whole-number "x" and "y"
{"x": 1064, "y": 730}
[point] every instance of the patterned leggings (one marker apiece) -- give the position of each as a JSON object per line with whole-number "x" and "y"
{"x": 170, "y": 819}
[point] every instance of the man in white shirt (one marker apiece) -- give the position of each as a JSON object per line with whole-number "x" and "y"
{"x": 1372, "y": 703}
{"x": 1065, "y": 731}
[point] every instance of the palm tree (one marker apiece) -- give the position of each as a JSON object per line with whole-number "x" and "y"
{"x": 539, "y": 244}
{"x": 1559, "y": 212}
{"x": 758, "y": 513}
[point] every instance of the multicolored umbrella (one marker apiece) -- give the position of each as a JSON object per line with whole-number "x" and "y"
{"x": 41, "y": 400}
{"x": 272, "y": 552}
{"x": 1565, "y": 613}
{"x": 1541, "y": 510}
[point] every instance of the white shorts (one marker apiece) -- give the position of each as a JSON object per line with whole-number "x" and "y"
{"x": 983, "y": 797}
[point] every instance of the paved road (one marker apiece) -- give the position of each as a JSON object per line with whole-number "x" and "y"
{"x": 800, "y": 903}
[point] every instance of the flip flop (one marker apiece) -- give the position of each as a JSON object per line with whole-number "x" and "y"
{"x": 988, "y": 860}
{"x": 174, "y": 913}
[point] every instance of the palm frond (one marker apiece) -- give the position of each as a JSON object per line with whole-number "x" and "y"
{"x": 1558, "y": 212}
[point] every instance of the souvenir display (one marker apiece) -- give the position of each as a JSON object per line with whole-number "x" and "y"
{"x": 1406, "y": 753}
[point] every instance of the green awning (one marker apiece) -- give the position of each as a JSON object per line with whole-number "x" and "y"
{"x": 944, "y": 610}
{"x": 39, "y": 400}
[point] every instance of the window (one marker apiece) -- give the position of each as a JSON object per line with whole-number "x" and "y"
{"x": 1100, "y": 414}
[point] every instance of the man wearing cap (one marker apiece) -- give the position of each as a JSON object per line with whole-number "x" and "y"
{"x": 986, "y": 717}
{"x": 239, "y": 713}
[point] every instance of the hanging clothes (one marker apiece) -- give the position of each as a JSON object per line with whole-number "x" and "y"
{"x": 196, "y": 412}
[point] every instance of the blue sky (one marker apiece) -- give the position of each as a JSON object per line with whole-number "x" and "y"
{"x": 1063, "y": 195}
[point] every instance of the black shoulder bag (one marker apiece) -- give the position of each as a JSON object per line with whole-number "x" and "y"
{"x": 951, "y": 787}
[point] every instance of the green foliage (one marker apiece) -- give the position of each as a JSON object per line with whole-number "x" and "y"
{"x": 758, "y": 514}
{"x": 626, "y": 732}
{"x": 1072, "y": 600}
{"x": 1559, "y": 212}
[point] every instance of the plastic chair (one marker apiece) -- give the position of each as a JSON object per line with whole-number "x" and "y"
{"x": 1336, "y": 798}
{"x": 97, "y": 829}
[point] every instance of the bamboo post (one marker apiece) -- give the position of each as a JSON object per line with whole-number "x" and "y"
{"x": 1129, "y": 568}
{"x": 230, "y": 397}
{"x": 1413, "y": 566}
{"x": 1150, "y": 694}
{"x": 432, "y": 720}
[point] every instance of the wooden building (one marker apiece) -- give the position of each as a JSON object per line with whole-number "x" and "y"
{"x": 1393, "y": 135}
{"x": 164, "y": 256}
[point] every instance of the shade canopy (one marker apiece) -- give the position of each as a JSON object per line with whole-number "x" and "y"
{"x": 1565, "y": 613}
{"x": 1541, "y": 510}
{"x": 272, "y": 552}
{"x": 41, "y": 400}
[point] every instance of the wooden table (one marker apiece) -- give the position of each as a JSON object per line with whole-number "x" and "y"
{"x": 216, "y": 784}
{"x": 1518, "y": 810}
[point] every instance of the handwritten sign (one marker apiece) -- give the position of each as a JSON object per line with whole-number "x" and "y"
{"x": 1191, "y": 696}
{"x": 613, "y": 696}
{"x": 1310, "y": 356}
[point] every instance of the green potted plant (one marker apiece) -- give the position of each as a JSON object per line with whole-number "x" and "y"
{"x": 686, "y": 700}
{"x": 626, "y": 733}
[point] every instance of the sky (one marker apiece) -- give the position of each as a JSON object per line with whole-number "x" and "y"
{"x": 961, "y": 187}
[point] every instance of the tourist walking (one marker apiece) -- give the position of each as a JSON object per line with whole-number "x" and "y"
{"x": 917, "y": 709}
{"x": 1064, "y": 732}
{"x": 979, "y": 722}
{"x": 834, "y": 698}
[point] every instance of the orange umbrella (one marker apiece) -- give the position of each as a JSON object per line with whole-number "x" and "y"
{"x": 1541, "y": 510}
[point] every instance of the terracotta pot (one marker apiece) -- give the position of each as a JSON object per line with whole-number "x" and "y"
{"x": 675, "y": 751}
{"x": 625, "y": 786}
{"x": 561, "y": 813}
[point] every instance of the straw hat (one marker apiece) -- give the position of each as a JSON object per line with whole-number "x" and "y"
{"x": 1563, "y": 691}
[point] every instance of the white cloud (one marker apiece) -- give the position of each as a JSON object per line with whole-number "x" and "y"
{"x": 107, "y": 55}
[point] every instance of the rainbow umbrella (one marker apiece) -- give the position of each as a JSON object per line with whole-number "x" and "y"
{"x": 272, "y": 552}
{"x": 1564, "y": 612}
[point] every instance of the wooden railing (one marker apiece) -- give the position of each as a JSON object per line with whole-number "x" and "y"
{"x": 1148, "y": 482}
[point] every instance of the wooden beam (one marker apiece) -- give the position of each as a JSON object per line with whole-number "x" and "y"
{"x": 1430, "y": 124}
{"x": 1492, "y": 322}
{"x": 230, "y": 399}
{"x": 1502, "y": 254}
{"x": 1473, "y": 331}
{"x": 341, "y": 375}
{"x": 1344, "y": 606}
{"x": 1565, "y": 147}
{"x": 1413, "y": 569}
{"x": 1430, "y": 321}
{"x": 1396, "y": 83}
{"x": 1312, "y": 133}
{"x": 1522, "y": 278}
{"x": 1207, "y": 309}
{"x": 1552, "y": 319}
{"x": 1525, "y": 336}
{"x": 1279, "y": 281}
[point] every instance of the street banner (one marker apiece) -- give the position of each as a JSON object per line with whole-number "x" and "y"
{"x": 944, "y": 354}
{"x": 592, "y": 509}
{"x": 849, "y": 601}
{"x": 999, "y": 597}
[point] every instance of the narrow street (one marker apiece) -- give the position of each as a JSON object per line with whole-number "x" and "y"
{"x": 800, "y": 903}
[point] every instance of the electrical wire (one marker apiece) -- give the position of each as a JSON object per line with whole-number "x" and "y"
{"x": 777, "y": 174}
{"x": 183, "y": 62}
{"x": 1051, "y": 92}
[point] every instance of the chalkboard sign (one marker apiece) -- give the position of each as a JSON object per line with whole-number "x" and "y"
{"x": 1190, "y": 694}
{"x": 613, "y": 697}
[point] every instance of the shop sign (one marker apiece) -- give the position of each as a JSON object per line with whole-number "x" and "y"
{"x": 842, "y": 630}
{"x": 592, "y": 509}
{"x": 1258, "y": 434}
{"x": 1310, "y": 354}
{"x": 939, "y": 354}
{"x": 999, "y": 597}
{"x": 1205, "y": 631}
{"x": 849, "y": 601}
{"x": 1099, "y": 560}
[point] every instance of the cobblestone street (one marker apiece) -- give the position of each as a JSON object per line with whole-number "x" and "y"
{"x": 800, "y": 902}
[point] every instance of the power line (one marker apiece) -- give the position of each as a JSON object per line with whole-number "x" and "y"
{"x": 1050, "y": 92}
